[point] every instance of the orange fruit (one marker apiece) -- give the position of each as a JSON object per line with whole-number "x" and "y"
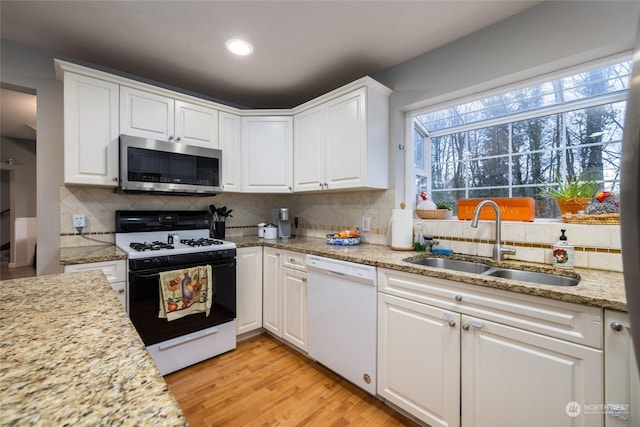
{"x": 343, "y": 234}
{"x": 353, "y": 233}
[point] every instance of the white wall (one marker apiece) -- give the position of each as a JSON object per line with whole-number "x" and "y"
{"x": 548, "y": 37}
{"x": 31, "y": 68}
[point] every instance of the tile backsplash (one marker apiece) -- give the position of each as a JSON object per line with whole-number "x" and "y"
{"x": 318, "y": 213}
{"x": 597, "y": 246}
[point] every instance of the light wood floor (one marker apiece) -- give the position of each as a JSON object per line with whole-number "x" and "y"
{"x": 265, "y": 383}
{"x": 7, "y": 273}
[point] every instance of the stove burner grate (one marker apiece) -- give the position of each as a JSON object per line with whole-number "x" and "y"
{"x": 153, "y": 246}
{"x": 201, "y": 242}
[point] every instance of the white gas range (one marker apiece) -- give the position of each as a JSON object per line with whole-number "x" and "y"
{"x": 160, "y": 241}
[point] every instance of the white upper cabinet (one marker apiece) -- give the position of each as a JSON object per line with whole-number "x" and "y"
{"x": 146, "y": 115}
{"x": 196, "y": 125}
{"x": 231, "y": 146}
{"x": 149, "y": 115}
{"x": 267, "y": 154}
{"x": 90, "y": 131}
{"x": 343, "y": 142}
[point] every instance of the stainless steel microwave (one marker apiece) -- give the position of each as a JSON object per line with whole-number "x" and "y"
{"x": 148, "y": 165}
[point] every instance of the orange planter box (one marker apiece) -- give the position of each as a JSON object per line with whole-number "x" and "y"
{"x": 511, "y": 209}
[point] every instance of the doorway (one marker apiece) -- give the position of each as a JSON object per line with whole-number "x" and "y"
{"x": 18, "y": 182}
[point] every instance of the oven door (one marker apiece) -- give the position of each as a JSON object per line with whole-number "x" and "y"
{"x": 144, "y": 305}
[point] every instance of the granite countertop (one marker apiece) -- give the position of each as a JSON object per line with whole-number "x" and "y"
{"x": 597, "y": 287}
{"x": 87, "y": 254}
{"x": 70, "y": 356}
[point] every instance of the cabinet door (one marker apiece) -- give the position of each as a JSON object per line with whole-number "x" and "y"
{"x": 621, "y": 381}
{"x": 267, "y": 153}
{"x": 419, "y": 359}
{"x": 272, "y": 289}
{"x": 146, "y": 115}
{"x": 115, "y": 272}
{"x": 249, "y": 289}
{"x": 196, "y": 125}
{"x": 511, "y": 377}
{"x": 309, "y": 150}
{"x": 230, "y": 144}
{"x": 346, "y": 140}
{"x": 294, "y": 314}
{"x": 90, "y": 131}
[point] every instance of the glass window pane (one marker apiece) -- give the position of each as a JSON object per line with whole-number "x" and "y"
{"x": 535, "y": 167}
{"x": 490, "y": 141}
{"x": 448, "y": 175}
{"x": 489, "y": 172}
{"x": 488, "y": 192}
{"x": 418, "y": 151}
{"x": 541, "y": 133}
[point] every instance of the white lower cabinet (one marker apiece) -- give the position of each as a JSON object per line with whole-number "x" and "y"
{"x": 527, "y": 361}
{"x": 621, "y": 379}
{"x": 115, "y": 271}
{"x": 512, "y": 377}
{"x": 248, "y": 289}
{"x": 285, "y": 296}
{"x": 419, "y": 359}
{"x": 294, "y": 308}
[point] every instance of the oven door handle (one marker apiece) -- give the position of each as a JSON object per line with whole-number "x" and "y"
{"x": 145, "y": 276}
{"x": 225, "y": 265}
{"x": 184, "y": 340}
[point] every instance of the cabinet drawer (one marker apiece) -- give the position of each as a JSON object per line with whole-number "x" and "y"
{"x": 294, "y": 260}
{"x": 116, "y": 271}
{"x": 577, "y": 323}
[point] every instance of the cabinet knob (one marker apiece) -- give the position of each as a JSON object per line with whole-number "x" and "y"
{"x": 290, "y": 189}
{"x": 326, "y": 185}
{"x": 465, "y": 326}
{"x": 170, "y": 137}
{"x": 452, "y": 323}
{"x": 304, "y": 279}
{"x": 617, "y": 326}
{"x": 121, "y": 291}
{"x": 178, "y": 138}
{"x": 321, "y": 185}
{"x": 458, "y": 298}
{"x": 115, "y": 178}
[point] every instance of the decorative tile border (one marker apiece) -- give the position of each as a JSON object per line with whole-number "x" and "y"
{"x": 527, "y": 245}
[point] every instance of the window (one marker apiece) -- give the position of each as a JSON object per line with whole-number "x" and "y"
{"x": 504, "y": 145}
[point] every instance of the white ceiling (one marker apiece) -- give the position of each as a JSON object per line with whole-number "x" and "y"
{"x": 301, "y": 48}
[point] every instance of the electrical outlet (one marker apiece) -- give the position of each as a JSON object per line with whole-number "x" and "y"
{"x": 79, "y": 220}
{"x": 366, "y": 223}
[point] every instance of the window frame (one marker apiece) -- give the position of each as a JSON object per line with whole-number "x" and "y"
{"x": 411, "y": 117}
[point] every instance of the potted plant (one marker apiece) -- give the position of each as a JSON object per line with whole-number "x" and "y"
{"x": 448, "y": 206}
{"x": 572, "y": 194}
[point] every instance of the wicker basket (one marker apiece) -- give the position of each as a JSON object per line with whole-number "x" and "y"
{"x": 432, "y": 213}
{"x": 613, "y": 218}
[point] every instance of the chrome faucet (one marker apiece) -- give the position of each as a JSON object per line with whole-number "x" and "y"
{"x": 499, "y": 251}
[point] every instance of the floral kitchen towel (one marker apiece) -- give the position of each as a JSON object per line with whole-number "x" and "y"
{"x": 185, "y": 291}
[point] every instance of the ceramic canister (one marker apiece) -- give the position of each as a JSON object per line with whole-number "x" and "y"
{"x": 271, "y": 232}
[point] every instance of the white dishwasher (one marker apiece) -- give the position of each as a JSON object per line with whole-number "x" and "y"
{"x": 342, "y": 318}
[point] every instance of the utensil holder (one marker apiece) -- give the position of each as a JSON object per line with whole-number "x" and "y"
{"x": 217, "y": 230}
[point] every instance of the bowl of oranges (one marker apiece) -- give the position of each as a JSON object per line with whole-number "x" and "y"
{"x": 344, "y": 237}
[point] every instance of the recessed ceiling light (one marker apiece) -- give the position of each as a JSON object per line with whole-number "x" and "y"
{"x": 239, "y": 47}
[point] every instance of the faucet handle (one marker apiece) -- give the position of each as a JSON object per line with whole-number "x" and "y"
{"x": 507, "y": 250}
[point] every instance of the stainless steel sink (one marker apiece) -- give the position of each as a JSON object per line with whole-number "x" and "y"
{"x": 452, "y": 264}
{"x": 533, "y": 277}
{"x": 487, "y": 270}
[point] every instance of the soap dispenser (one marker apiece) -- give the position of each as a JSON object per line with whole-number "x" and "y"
{"x": 563, "y": 252}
